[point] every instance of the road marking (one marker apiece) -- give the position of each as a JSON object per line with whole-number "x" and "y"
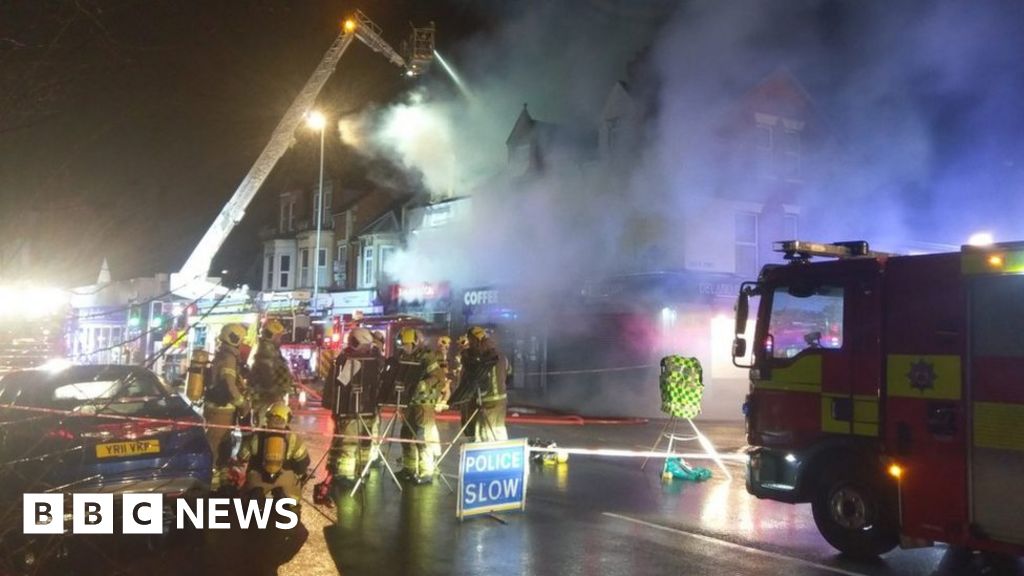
{"x": 734, "y": 546}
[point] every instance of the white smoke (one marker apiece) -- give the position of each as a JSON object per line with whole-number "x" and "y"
{"x": 880, "y": 167}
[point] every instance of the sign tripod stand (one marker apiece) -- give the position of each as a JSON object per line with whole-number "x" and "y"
{"x": 460, "y": 437}
{"x": 377, "y": 441}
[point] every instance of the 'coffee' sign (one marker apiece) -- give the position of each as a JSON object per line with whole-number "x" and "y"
{"x": 480, "y": 297}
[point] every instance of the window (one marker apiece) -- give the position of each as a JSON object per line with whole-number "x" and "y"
{"x": 285, "y": 269}
{"x": 269, "y": 271}
{"x": 328, "y": 194}
{"x": 997, "y": 313}
{"x": 804, "y": 318}
{"x": 328, "y": 200}
{"x": 386, "y": 253}
{"x": 321, "y": 267}
{"x": 367, "y": 272}
{"x": 341, "y": 266}
{"x": 304, "y": 267}
{"x": 789, "y": 152}
{"x": 791, "y": 226}
{"x": 746, "y": 244}
{"x": 287, "y": 217}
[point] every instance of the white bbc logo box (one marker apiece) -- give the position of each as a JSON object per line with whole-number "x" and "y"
{"x": 92, "y": 513}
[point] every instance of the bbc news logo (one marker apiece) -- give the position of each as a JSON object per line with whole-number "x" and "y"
{"x": 144, "y": 513}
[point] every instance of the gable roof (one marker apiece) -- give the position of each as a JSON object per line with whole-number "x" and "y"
{"x": 384, "y": 224}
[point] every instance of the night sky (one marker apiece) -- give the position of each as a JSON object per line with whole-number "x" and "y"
{"x": 126, "y": 124}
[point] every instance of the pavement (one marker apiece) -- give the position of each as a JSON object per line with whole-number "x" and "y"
{"x": 591, "y": 515}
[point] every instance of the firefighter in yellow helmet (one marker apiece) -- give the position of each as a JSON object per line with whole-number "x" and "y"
{"x": 270, "y": 379}
{"x": 482, "y": 386}
{"x": 351, "y": 394}
{"x": 223, "y": 399}
{"x": 418, "y": 457}
{"x": 276, "y": 456}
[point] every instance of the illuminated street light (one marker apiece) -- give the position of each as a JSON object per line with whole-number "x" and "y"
{"x": 349, "y": 25}
{"x": 316, "y": 120}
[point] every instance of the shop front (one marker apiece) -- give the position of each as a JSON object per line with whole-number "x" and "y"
{"x": 429, "y": 301}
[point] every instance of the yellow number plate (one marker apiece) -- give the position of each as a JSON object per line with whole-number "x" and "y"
{"x": 122, "y": 449}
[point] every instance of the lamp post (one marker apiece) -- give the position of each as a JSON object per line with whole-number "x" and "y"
{"x": 317, "y": 121}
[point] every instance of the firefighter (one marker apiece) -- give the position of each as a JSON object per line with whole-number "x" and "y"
{"x": 271, "y": 380}
{"x": 444, "y": 345}
{"x": 432, "y": 434}
{"x": 224, "y": 402}
{"x": 351, "y": 396}
{"x": 482, "y": 387}
{"x": 276, "y": 457}
{"x": 418, "y": 457}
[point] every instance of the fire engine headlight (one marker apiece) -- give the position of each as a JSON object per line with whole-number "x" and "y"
{"x": 895, "y": 471}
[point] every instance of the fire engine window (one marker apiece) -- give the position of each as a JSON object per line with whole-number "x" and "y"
{"x": 803, "y": 319}
{"x": 998, "y": 316}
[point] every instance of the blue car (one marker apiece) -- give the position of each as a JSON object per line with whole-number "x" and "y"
{"x": 105, "y": 428}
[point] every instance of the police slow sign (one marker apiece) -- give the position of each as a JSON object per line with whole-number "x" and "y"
{"x": 492, "y": 477}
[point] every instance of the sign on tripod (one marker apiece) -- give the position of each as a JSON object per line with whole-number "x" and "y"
{"x": 492, "y": 477}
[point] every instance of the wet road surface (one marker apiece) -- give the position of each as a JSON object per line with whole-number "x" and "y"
{"x": 591, "y": 515}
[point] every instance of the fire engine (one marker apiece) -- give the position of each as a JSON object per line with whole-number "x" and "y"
{"x": 888, "y": 392}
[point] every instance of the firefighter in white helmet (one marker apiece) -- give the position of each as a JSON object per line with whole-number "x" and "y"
{"x": 270, "y": 379}
{"x": 276, "y": 456}
{"x": 351, "y": 394}
{"x": 482, "y": 386}
{"x": 442, "y": 350}
{"x": 224, "y": 400}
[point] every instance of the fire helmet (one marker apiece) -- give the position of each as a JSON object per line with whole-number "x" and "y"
{"x": 232, "y": 334}
{"x": 477, "y": 333}
{"x": 280, "y": 410}
{"x": 409, "y": 336}
{"x": 272, "y": 327}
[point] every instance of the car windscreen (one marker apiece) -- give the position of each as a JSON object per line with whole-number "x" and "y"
{"x": 123, "y": 392}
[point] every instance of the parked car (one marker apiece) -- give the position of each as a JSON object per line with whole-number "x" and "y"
{"x": 103, "y": 428}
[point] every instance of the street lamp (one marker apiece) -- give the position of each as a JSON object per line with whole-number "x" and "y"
{"x": 317, "y": 121}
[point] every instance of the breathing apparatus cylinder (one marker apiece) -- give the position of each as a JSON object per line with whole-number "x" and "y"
{"x": 196, "y": 371}
{"x": 274, "y": 453}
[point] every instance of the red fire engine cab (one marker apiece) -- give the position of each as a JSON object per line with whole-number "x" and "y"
{"x": 888, "y": 391}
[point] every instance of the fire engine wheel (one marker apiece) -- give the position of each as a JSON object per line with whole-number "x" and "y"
{"x": 854, "y": 515}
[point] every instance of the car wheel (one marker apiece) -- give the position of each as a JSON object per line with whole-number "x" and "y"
{"x": 856, "y": 516}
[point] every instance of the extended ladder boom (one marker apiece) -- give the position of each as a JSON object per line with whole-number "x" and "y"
{"x": 191, "y": 281}
{"x": 198, "y": 264}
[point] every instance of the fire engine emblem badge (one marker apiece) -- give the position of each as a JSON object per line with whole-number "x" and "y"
{"x": 922, "y": 376}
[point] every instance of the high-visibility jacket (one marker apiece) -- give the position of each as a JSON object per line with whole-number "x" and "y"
{"x": 485, "y": 372}
{"x": 225, "y": 386}
{"x": 429, "y": 383}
